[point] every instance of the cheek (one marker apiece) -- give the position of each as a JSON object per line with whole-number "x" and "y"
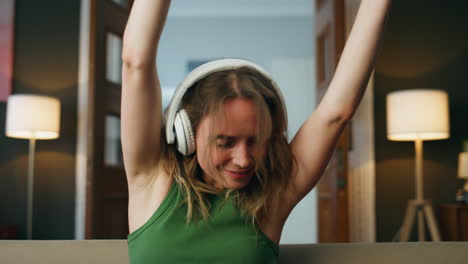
{"x": 261, "y": 152}
{"x": 219, "y": 157}
{"x": 211, "y": 159}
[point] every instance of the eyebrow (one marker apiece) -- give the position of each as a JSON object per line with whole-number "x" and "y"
{"x": 224, "y": 137}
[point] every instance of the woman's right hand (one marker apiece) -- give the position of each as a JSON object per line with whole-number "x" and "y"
{"x": 143, "y": 30}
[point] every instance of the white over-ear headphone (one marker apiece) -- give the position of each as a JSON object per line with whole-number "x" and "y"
{"x": 178, "y": 127}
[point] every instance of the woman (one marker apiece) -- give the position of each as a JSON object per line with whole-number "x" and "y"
{"x": 225, "y": 197}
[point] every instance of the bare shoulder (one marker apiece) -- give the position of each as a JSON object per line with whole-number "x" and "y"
{"x": 146, "y": 196}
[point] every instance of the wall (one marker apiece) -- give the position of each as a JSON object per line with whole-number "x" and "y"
{"x": 45, "y": 63}
{"x": 425, "y": 46}
{"x": 259, "y": 39}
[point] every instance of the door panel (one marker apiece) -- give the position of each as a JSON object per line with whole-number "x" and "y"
{"x": 106, "y": 191}
{"x": 333, "y": 223}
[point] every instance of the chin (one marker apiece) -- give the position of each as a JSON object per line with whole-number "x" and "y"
{"x": 237, "y": 184}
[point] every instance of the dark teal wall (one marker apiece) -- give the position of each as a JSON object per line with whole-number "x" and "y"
{"x": 425, "y": 46}
{"x": 45, "y": 63}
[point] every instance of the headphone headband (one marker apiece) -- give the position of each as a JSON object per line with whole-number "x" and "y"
{"x": 199, "y": 73}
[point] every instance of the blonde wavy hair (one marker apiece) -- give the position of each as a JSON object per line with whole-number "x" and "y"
{"x": 272, "y": 171}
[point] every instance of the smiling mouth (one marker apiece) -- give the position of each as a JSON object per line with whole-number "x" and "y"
{"x": 238, "y": 174}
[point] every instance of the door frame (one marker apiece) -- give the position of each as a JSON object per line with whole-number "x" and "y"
{"x": 362, "y": 213}
{"x": 84, "y": 111}
{"x": 101, "y": 190}
{"x": 358, "y": 208}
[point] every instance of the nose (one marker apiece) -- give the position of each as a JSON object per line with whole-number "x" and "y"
{"x": 242, "y": 157}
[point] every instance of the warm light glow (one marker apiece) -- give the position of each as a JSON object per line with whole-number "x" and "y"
{"x": 417, "y": 114}
{"x": 463, "y": 165}
{"x": 32, "y": 116}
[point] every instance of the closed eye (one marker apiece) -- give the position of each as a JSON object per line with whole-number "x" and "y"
{"x": 225, "y": 142}
{"x": 252, "y": 141}
{"x": 228, "y": 141}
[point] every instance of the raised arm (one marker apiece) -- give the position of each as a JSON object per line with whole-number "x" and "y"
{"x": 316, "y": 139}
{"x": 141, "y": 111}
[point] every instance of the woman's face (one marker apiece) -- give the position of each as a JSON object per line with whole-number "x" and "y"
{"x": 230, "y": 163}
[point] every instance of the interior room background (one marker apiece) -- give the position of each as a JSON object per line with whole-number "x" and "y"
{"x": 425, "y": 46}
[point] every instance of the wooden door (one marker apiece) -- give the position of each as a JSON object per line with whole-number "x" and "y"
{"x": 106, "y": 186}
{"x": 333, "y": 220}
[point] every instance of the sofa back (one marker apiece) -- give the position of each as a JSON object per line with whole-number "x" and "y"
{"x": 115, "y": 252}
{"x": 63, "y": 251}
{"x": 377, "y": 253}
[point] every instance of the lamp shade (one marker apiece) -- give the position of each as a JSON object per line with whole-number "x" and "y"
{"x": 463, "y": 165}
{"x": 417, "y": 114}
{"x": 32, "y": 116}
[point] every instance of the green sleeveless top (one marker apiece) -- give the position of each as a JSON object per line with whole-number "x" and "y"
{"x": 226, "y": 237}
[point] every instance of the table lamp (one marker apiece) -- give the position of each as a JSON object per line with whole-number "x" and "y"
{"x": 462, "y": 194}
{"x": 418, "y": 115}
{"x": 32, "y": 117}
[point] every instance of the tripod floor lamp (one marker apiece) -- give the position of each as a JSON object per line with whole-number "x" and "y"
{"x": 418, "y": 115}
{"x": 32, "y": 117}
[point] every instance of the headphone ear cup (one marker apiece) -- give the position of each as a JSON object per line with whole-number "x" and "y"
{"x": 184, "y": 135}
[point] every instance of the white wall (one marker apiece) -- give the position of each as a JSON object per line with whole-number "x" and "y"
{"x": 297, "y": 75}
{"x": 241, "y": 8}
{"x": 281, "y": 43}
{"x": 257, "y": 39}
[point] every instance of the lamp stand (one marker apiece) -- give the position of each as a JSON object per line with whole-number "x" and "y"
{"x": 32, "y": 149}
{"x": 420, "y": 206}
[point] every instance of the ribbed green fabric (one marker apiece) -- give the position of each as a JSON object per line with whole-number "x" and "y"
{"x": 227, "y": 237}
